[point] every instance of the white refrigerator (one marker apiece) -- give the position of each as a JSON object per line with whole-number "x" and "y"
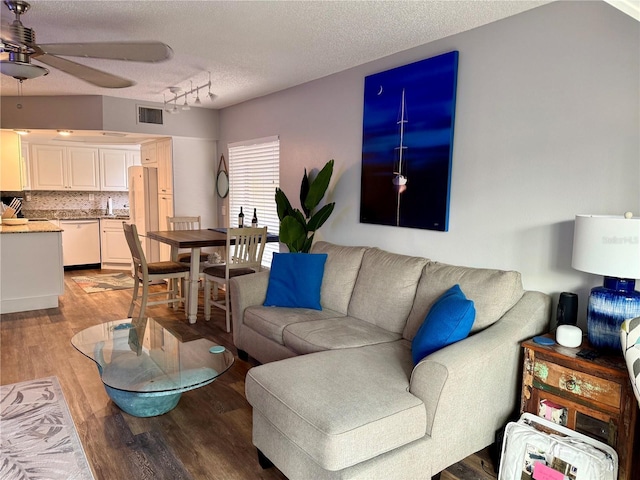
{"x": 143, "y": 207}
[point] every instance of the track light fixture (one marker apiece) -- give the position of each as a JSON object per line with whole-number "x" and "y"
{"x": 178, "y": 94}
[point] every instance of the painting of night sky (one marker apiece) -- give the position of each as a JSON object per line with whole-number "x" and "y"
{"x": 407, "y": 144}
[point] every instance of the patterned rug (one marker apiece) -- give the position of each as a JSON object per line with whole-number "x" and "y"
{"x": 105, "y": 282}
{"x": 37, "y": 434}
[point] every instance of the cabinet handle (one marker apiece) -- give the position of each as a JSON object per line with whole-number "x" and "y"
{"x": 571, "y": 384}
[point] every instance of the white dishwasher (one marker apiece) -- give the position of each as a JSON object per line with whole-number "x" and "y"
{"x": 80, "y": 242}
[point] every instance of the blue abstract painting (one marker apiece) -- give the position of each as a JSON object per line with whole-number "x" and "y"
{"x": 407, "y": 144}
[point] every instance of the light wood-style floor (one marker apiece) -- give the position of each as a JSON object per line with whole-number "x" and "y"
{"x": 207, "y": 436}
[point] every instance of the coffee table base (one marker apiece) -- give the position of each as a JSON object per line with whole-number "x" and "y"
{"x": 144, "y": 404}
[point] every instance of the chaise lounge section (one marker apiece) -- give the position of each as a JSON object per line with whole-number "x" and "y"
{"x": 338, "y": 395}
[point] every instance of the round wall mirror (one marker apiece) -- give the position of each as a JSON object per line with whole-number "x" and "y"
{"x": 222, "y": 180}
{"x": 222, "y": 184}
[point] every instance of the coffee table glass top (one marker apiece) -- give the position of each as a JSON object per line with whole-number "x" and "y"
{"x": 141, "y": 355}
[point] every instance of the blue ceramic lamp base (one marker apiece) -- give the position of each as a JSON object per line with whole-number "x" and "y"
{"x": 609, "y": 306}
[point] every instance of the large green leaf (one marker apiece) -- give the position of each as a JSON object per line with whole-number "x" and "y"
{"x": 292, "y": 233}
{"x": 304, "y": 191}
{"x": 321, "y": 216}
{"x": 283, "y": 204}
{"x": 318, "y": 187}
{"x": 297, "y": 214}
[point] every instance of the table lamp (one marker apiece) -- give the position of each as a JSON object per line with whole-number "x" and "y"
{"x": 609, "y": 245}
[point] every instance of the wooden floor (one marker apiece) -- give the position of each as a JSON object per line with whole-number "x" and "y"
{"x": 207, "y": 436}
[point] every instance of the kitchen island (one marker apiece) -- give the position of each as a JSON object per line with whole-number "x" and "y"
{"x": 31, "y": 270}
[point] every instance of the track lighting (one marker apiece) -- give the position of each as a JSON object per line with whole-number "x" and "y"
{"x": 178, "y": 93}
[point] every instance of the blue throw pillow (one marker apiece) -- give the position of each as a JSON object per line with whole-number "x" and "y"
{"x": 449, "y": 320}
{"x": 295, "y": 280}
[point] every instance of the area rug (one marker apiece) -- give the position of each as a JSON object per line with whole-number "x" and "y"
{"x": 104, "y": 282}
{"x": 37, "y": 434}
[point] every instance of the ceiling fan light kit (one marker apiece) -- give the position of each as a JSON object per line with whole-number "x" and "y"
{"x": 19, "y": 42}
{"x": 21, "y": 70}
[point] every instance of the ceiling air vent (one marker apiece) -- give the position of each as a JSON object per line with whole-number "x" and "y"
{"x": 150, "y": 115}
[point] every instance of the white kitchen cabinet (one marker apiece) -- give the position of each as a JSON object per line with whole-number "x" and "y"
{"x": 165, "y": 167}
{"x": 115, "y": 250}
{"x": 83, "y": 168}
{"x": 11, "y": 178}
{"x": 148, "y": 154}
{"x": 165, "y": 209}
{"x": 56, "y": 167}
{"x": 114, "y": 166}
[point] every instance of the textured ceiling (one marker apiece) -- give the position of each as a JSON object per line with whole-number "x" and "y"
{"x": 251, "y": 48}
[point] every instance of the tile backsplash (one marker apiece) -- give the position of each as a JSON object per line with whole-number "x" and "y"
{"x": 60, "y": 204}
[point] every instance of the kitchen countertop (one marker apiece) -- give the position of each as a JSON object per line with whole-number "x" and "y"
{"x": 75, "y": 214}
{"x": 103, "y": 217}
{"x": 31, "y": 227}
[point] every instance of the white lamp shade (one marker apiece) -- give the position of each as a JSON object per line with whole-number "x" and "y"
{"x": 22, "y": 70}
{"x": 607, "y": 245}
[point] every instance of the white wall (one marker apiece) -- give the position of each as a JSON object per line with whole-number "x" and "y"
{"x": 194, "y": 173}
{"x": 547, "y": 126}
{"x": 94, "y": 112}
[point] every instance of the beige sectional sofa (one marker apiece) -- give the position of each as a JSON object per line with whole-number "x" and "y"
{"x": 338, "y": 395}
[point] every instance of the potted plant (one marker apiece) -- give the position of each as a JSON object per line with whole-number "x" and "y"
{"x": 298, "y": 228}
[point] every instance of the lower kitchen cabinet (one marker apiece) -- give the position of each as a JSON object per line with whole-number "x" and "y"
{"x": 31, "y": 272}
{"x": 115, "y": 251}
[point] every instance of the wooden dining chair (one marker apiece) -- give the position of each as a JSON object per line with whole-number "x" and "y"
{"x": 147, "y": 273}
{"x": 187, "y": 223}
{"x": 244, "y": 247}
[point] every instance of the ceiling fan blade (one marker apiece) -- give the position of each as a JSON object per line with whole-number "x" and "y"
{"x": 128, "y": 51}
{"x": 88, "y": 74}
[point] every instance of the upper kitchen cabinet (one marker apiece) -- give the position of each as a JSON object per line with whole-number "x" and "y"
{"x": 165, "y": 167}
{"x": 11, "y": 163}
{"x": 149, "y": 154}
{"x": 158, "y": 154}
{"x": 114, "y": 165}
{"x": 56, "y": 167}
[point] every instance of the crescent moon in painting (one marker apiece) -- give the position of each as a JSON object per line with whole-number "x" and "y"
{"x": 380, "y": 91}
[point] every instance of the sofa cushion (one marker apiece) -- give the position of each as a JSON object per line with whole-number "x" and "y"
{"x": 332, "y": 333}
{"x": 295, "y": 280}
{"x": 270, "y": 322}
{"x": 341, "y": 407}
{"x": 385, "y": 289}
{"x": 449, "y": 320}
{"x": 340, "y": 273}
{"x": 493, "y": 292}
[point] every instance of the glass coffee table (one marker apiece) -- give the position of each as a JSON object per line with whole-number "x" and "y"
{"x": 145, "y": 368}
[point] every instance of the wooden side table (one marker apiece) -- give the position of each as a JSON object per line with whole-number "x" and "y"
{"x": 591, "y": 396}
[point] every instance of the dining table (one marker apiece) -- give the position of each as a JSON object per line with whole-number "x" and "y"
{"x": 195, "y": 240}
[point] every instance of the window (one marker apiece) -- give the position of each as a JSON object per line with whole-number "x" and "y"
{"x": 254, "y": 174}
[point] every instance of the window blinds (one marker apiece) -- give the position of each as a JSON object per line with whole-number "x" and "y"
{"x": 254, "y": 174}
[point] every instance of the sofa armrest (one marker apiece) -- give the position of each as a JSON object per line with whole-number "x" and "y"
{"x": 246, "y": 291}
{"x": 473, "y": 385}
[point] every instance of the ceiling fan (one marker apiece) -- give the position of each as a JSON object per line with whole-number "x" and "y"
{"x": 19, "y": 42}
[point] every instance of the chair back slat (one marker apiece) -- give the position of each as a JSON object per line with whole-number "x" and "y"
{"x": 184, "y": 223}
{"x": 246, "y": 247}
{"x": 133, "y": 240}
